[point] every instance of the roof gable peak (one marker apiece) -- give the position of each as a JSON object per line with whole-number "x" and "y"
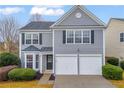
{"x": 82, "y": 8}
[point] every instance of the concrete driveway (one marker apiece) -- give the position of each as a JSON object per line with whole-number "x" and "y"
{"x": 73, "y": 81}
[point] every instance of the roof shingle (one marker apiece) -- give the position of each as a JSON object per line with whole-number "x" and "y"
{"x": 31, "y": 48}
{"x": 39, "y": 25}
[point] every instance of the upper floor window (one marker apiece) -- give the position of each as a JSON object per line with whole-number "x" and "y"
{"x": 31, "y": 38}
{"x": 121, "y": 37}
{"x": 78, "y": 36}
{"x": 28, "y": 38}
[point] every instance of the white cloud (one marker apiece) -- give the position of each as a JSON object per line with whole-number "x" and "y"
{"x": 54, "y": 6}
{"x": 10, "y": 10}
{"x": 47, "y": 10}
{"x": 50, "y": 6}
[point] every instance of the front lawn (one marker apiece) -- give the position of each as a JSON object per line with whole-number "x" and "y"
{"x": 23, "y": 84}
{"x": 118, "y": 83}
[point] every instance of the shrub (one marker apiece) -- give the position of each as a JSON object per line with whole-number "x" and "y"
{"x": 8, "y": 59}
{"x": 112, "y": 72}
{"x": 113, "y": 61}
{"x": 122, "y": 64}
{"x": 22, "y": 74}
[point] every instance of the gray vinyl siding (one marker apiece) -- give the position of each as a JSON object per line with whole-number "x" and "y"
{"x": 96, "y": 48}
{"x": 72, "y": 20}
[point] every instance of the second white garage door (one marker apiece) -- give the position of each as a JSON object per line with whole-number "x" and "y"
{"x": 90, "y": 65}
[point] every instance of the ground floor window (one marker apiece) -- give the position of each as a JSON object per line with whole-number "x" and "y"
{"x": 32, "y": 61}
{"x": 29, "y": 59}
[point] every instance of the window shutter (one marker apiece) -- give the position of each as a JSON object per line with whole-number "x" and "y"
{"x": 92, "y": 36}
{"x": 23, "y": 38}
{"x": 64, "y": 36}
{"x": 40, "y": 38}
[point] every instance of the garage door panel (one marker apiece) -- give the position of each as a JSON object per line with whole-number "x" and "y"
{"x": 90, "y": 65}
{"x": 66, "y": 65}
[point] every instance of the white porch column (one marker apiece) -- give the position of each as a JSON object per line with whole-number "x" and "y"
{"x": 41, "y": 63}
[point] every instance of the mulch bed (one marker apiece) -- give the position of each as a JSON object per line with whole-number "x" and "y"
{"x": 38, "y": 75}
{"x": 4, "y": 71}
{"x": 52, "y": 77}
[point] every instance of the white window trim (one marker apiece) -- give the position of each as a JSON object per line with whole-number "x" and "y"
{"x": 32, "y": 38}
{"x": 74, "y": 30}
{"x": 34, "y": 60}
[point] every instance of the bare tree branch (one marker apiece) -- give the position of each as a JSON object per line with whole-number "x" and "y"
{"x": 36, "y": 17}
{"x": 9, "y": 33}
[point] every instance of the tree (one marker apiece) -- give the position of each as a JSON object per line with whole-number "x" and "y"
{"x": 9, "y": 33}
{"x": 36, "y": 17}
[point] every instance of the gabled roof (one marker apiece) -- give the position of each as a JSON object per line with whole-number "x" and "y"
{"x": 46, "y": 49}
{"x": 121, "y": 19}
{"x": 91, "y": 15}
{"x": 117, "y": 19}
{"x": 31, "y": 48}
{"x": 38, "y": 25}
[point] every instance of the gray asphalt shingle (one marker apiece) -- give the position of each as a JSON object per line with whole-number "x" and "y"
{"x": 38, "y": 25}
{"x": 33, "y": 48}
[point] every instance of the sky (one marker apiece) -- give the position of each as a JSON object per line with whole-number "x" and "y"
{"x": 52, "y": 13}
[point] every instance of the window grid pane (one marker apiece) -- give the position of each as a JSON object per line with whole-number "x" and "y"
{"x": 29, "y": 61}
{"x": 35, "y": 38}
{"x": 78, "y": 37}
{"x": 28, "y": 38}
{"x": 70, "y": 36}
{"x": 86, "y": 36}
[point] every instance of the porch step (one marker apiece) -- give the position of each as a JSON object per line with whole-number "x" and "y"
{"x": 48, "y": 71}
{"x": 45, "y": 79}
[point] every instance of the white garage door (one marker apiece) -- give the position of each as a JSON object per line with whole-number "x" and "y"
{"x": 66, "y": 65}
{"x": 90, "y": 65}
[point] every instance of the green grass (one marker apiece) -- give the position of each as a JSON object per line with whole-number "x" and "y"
{"x": 23, "y": 84}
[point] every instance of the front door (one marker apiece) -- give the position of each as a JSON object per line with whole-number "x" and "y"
{"x": 49, "y": 62}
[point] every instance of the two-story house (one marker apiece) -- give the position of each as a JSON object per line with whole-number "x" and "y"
{"x": 73, "y": 45}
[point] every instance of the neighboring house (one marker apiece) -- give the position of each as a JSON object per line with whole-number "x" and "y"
{"x": 115, "y": 38}
{"x": 73, "y": 45}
